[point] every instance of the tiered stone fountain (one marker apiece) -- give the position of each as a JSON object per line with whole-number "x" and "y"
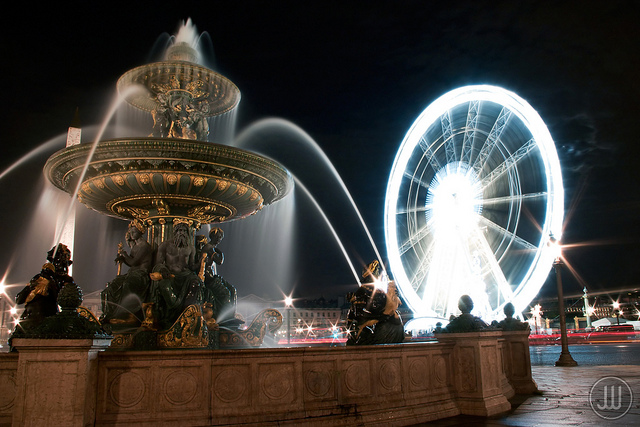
{"x": 172, "y": 178}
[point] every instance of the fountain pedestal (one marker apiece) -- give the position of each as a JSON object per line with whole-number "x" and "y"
{"x": 56, "y": 381}
{"x": 517, "y": 361}
{"x": 479, "y": 372}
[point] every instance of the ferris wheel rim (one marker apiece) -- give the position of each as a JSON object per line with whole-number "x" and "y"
{"x": 544, "y": 142}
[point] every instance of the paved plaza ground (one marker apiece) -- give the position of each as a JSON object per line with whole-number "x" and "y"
{"x": 563, "y": 400}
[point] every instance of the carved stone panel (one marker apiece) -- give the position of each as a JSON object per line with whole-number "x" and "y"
{"x": 418, "y": 372}
{"x": 183, "y": 389}
{"x": 231, "y": 385}
{"x": 8, "y": 388}
{"x": 127, "y": 390}
{"x": 440, "y": 371}
{"x": 319, "y": 380}
{"x": 389, "y": 376}
{"x": 277, "y": 383}
{"x": 357, "y": 378}
{"x": 490, "y": 369}
{"x": 520, "y": 366}
{"x": 468, "y": 375}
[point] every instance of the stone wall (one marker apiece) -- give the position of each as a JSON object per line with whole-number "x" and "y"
{"x": 386, "y": 385}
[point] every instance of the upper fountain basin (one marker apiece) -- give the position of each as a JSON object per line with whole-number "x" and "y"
{"x": 158, "y": 179}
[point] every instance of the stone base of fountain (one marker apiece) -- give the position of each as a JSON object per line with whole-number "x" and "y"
{"x": 57, "y": 382}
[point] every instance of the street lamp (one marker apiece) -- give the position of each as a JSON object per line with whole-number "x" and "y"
{"x": 565, "y": 357}
{"x": 616, "y": 310}
{"x": 288, "y": 302}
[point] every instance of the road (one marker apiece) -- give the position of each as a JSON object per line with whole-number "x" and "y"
{"x": 588, "y": 354}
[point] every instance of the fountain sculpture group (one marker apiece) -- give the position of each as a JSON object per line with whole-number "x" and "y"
{"x": 168, "y": 185}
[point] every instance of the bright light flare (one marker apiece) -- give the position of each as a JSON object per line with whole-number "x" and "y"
{"x": 454, "y": 201}
{"x": 536, "y": 311}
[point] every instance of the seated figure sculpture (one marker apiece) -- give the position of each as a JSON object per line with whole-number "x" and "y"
{"x": 40, "y": 296}
{"x": 509, "y": 323}
{"x": 175, "y": 285}
{"x": 219, "y": 294}
{"x": 123, "y": 297}
{"x": 373, "y": 317}
{"x": 466, "y": 322}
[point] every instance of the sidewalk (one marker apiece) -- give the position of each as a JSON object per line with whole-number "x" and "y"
{"x": 563, "y": 400}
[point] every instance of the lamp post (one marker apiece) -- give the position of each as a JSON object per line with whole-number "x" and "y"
{"x": 565, "y": 357}
{"x": 288, "y": 301}
{"x": 2, "y": 316}
{"x": 587, "y": 308}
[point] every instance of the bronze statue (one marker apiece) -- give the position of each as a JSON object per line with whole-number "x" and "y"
{"x": 175, "y": 284}
{"x": 220, "y": 294}
{"x": 181, "y": 111}
{"x": 40, "y": 296}
{"x": 373, "y": 317}
{"x": 123, "y": 297}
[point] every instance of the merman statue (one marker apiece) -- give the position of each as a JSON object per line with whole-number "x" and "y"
{"x": 175, "y": 285}
{"x": 373, "y": 317}
{"x": 123, "y": 297}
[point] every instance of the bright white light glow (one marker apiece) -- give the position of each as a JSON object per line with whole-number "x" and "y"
{"x": 454, "y": 200}
{"x": 474, "y": 194}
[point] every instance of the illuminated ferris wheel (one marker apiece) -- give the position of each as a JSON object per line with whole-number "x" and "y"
{"x": 475, "y": 193}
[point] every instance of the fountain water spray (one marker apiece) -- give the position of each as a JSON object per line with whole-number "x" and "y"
{"x": 333, "y": 231}
{"x": 245, "y": 137}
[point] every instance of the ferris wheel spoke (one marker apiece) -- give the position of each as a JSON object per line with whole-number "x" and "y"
{"x": 447, "y": 136}
{"x": 414, "y": 209}
{"x": 420, "y": 275}
{"x": 429, "y": 154}
{"x": 509, "y": 163}
{"x": 470, "y": 131}
{"x": 514, "y": 237}
{"x": 492, "y": 140}
{"x": 515, "y": 197}
{"x": 414, "y": 238}
{"x": 413, "y": 178}
{"x": 494, "y": 267}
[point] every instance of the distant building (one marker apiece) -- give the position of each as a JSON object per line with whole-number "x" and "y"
{"x": 600, "y": 305}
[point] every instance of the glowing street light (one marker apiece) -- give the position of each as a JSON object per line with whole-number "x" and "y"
{"x": 288, "y": 302}
{"x": 565, "y": 357}
{"x": 616, "y": 310}
{"x": 536, "y": 313}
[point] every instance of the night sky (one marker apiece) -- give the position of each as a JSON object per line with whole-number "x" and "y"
{"x": 354, "y": 76}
